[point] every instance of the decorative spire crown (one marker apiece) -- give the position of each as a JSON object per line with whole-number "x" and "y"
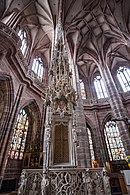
{"x": 61, "y": 96}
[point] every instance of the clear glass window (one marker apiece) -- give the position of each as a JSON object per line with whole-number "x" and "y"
{"x": 83, "y": 94}
{"x": 113, "y": 140}
{"x": 23, "y": 36}
{"x": 37, "y": 67}
{"x": 100, "y": 87}
{"x": 90, "y": 144}
{"x": 19, "y": 136}
{"x": 123, "y": 75}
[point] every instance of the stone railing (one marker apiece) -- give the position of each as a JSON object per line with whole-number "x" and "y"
{"x": 30, "y": 182}
{"x": 125, "y": 96}
{"x": 11, "y": 33}
{"x": 93, "y": 102}
{"x": 40, "y": 82}
{"x": 104, "y": 101}
{"x": 64, "y": 181}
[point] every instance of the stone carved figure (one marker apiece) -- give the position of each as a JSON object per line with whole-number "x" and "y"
{"x": 89, "y": 182}
{"x": 99, "y": 189}
{"x": 33, "y": 190}
{"x": 23, "y": 181}
{"x": 74, "y": 135}
{"x": 48, "y": 135}
{"x": 45, "y": 184}
{"x": 106, "y": 182}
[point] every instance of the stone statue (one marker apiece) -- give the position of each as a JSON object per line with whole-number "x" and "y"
{"x": 33, "y": 190}
{"x": 74, "y": 135}
{"x": 23, "y": 181}
{"x": 45, "y": 184}
{"x": 98, "y": 184}
{"x": 106, "y": 182}
{"x": 89, "y": 182}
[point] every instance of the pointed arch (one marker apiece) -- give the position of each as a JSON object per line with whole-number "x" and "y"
{"x": 32, "y": 104}
{"x": 7, "y": 99}
{"x": 27, "y": 129}
{"x": 113, "y": 140}
{"x": 33, "y": 109}
{"x": 89, "y": 122}
{"x": 106, "y": 118}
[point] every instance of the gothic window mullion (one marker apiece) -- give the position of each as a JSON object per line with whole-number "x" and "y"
{"x": 21, "y": 138}
{"x": 17, "y": 147}
{"x": 37, "y": 67}
{"x": 123, "y": 75}
{"x": 83, "y": 93}
{"x": 125, "y": 83}
{"x": 100, "y": 87}
{"x": 23, "y": 37}
{"x": 114, "y": 143}
{"x": 97, "y": 91}
{"x": 91, "y": 144}
{"x": 23, "y": 135}
{"x": 108, "y": 144}
{"x": 102, "y": 90}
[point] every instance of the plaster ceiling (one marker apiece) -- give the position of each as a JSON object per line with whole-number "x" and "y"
{"x": 94, "y": 29}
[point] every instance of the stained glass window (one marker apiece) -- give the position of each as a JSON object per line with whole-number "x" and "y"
{"x": 19, "y": 136}
{"x": 38, "y": 67}
{"x": 123, "y": 75}
{"x": 90, "y": 144}
{"x": 100, "y": 87}
{"x": 83, "y": 94}
{"x": 114, "y": 144}
{"x": 23, "y": 36}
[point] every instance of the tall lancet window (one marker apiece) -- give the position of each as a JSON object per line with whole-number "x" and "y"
{"x": 83, "y": 94}
{"x": 23, "y": 36}
{"x": 123, "y": 75}
{"x": 100, "y": 87}
{"x": 19, "y": 136}
{"x": 90, "y": 144}
{"x": 114, "y": 144}
{"x": 37, "y": 67}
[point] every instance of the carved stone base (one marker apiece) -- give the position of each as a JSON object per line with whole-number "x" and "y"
{"x": 65, "y": 181}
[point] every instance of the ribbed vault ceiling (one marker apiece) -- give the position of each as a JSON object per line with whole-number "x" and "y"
{"x": 97, "y": 30}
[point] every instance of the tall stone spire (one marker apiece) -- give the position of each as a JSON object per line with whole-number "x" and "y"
{"x": 60, "y": 103}
{"x": 61, "y": 96}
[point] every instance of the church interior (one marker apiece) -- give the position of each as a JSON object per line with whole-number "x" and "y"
{"x": 65, "y": 97}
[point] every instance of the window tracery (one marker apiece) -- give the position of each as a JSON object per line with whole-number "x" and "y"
{"x": 90, "y": 144}
{"x": 123, "y": 75}
{"x": 113, "y": 140}
{"x": 83, "y": 94}
{"x": 100, "y": 87}
{"x": 23, "y": 36}
{"x": 19, "y": 136}
{"x": 37, "y": 67}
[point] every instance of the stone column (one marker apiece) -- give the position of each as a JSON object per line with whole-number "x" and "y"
{"x": 83, "y": 150}
{"x": 100, "y": 155}
{"x": 117, "y": 106}
{"x": 47, "y": 139}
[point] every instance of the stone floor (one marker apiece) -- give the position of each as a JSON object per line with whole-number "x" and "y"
{"x": 10, "y": 193}
{"x": 15, "y": 192}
